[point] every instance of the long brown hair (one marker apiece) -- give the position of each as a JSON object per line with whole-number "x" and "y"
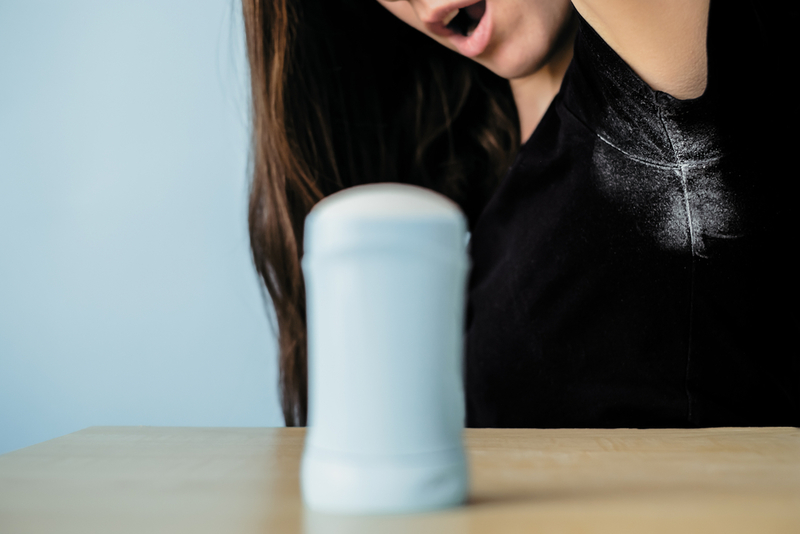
{"x": 345, "y": 94}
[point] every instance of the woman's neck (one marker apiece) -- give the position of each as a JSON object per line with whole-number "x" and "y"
{"x": 533, "y": 93}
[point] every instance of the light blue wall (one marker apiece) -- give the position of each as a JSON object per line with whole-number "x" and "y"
{"x": 127, "y": 294}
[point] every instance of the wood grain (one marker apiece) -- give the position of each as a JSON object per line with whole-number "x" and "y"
{"x": 245, "y": 480}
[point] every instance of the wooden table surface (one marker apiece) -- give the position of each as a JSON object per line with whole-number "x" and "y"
{"x": 236, "y": 480}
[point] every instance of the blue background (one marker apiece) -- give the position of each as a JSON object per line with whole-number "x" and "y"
{"x": 127, "y": 292}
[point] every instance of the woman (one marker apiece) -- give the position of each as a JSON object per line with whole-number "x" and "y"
{"x": 619, "y": 270}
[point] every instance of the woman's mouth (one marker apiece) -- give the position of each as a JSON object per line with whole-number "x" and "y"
{"x": 468, "y": 27}
{"x": 463, "y": 21}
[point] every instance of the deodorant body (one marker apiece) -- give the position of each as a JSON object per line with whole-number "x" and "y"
{"x": 385, "y": 268}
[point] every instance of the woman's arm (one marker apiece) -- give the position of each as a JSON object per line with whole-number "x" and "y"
{"x": 663, "y": 41}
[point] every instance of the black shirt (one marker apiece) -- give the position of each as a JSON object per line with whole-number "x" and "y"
{"x": 633, "y": 268}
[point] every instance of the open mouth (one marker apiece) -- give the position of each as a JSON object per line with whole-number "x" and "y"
{"x": 465, "y": 20}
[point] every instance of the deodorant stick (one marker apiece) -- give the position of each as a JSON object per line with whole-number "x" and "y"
{"x": 385, "y": 269}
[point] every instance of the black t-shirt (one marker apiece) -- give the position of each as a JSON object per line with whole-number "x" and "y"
{"x": 634, "y": 267}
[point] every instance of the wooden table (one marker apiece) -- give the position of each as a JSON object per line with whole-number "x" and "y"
{"x": 236, "y": 480}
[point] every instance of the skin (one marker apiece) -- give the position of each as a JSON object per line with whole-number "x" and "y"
{"x": 663, "y": 41}
{"x": 531, "y": 46}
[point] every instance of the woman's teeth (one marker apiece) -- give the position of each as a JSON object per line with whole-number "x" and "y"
{"x": 449, "y": 17}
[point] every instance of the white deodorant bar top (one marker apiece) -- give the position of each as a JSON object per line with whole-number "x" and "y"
{"x": 385, "y": 268}
{"x": 385, "y": 215}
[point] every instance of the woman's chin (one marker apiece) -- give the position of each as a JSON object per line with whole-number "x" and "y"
{"x": 510, "y": 66}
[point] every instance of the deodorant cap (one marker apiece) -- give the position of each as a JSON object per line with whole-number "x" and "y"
{"x": 385, "y": 215}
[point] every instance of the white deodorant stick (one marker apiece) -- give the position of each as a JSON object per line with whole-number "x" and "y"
{"x": 385, "y": 269}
